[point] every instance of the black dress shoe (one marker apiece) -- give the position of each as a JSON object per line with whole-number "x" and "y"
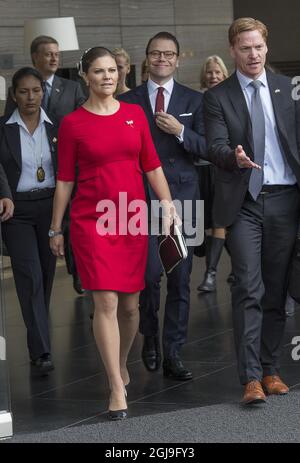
{"x": 77, "y": 284}
{"x": 43, "y": 364}
{"x": 173, "y": 368}
{"x": 151, "y": 353}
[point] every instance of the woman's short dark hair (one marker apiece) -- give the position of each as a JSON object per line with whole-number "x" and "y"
{"x": 164, "y": 36}
{"x": 90, "y": 55}
{"x": 24, "y": 72}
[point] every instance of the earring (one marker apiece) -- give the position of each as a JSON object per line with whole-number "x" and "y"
{"x": 87, "y": 83}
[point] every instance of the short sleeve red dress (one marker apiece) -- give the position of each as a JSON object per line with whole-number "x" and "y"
{"x": 108, "y": 224}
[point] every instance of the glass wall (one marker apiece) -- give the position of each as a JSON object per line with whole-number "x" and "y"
{"x": 5, "y": 413}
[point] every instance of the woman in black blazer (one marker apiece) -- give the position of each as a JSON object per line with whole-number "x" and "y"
{"x": 28, "y": 156}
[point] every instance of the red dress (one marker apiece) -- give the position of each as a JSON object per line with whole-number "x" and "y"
{"x": 110, "y": 153}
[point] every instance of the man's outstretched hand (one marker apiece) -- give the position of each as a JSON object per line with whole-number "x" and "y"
{"x": 243, "y": 161}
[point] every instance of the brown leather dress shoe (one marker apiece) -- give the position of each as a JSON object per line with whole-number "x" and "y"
{"x": 274, "y": 385}
{"x": 253, "y": 393}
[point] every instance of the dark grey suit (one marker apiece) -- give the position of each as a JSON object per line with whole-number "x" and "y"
{"x": 261, "y": 233}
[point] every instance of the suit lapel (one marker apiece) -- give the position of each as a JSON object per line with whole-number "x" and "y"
{"x": 177, "y": 101}
{"x": 278, "y": 103}
{"x": 173, "y": 106}
{"x": 57, "y": 89}
{"x": 240, "y": 106}
{"x": 12, "y": 134}
{"x": 51, "y": 135}
{"x": 143, "y": 94}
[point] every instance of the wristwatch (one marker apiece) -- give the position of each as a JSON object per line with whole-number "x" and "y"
{"x": 52, "y": 233}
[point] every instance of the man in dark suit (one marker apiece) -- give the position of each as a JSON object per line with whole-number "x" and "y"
{"x": 253, "y": 135}
{"x": 61, "y": 96}
{"x": 175, "y": 117}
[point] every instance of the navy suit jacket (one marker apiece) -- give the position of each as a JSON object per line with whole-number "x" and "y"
{"x": 177, "y": 158}
{"x": 228, "y": 124}
{"x": 10, "y": 151}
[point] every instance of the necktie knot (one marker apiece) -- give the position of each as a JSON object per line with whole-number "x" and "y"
{"x": 47, "y": 86}
{"x": 256, "y": 84}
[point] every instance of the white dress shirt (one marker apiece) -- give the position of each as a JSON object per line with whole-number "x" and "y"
{"x": 276, "y": 170}
{"x": 50, "y": 83}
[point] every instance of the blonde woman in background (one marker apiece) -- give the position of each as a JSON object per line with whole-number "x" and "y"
{"x": 123, "y": 64}
{"x": 213, "y": 72}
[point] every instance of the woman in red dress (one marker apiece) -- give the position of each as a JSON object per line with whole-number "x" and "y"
{"x": 111, "y": 145}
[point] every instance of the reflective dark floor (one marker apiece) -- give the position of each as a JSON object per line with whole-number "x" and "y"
{"x": 76, "y": 392}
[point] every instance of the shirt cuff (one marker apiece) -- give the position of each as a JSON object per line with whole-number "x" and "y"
{"x": 180, "y": 137}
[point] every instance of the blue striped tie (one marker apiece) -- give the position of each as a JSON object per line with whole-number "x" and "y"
{"x": 46, "y": 96}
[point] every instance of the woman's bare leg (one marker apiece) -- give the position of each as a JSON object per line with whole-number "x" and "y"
{"x": 128, "y": 316}
{"x": 107, "y": 336}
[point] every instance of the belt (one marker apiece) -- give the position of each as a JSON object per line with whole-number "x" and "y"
{"x": 37, "y": 193}
{"x": 275, "y": 188}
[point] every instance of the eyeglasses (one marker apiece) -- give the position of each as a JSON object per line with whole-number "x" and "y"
{"x": 167, "y": 54}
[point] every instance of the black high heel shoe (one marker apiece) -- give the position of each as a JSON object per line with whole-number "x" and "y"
{"x": 117, "y": 415}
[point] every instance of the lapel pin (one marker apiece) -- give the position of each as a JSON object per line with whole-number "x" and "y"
{"x": 130, "y": 123}
{"x": 57, "y": 90}
{"x": 277, "y": 90}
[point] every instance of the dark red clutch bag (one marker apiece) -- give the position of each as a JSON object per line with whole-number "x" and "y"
{"x": 172, "y": 248}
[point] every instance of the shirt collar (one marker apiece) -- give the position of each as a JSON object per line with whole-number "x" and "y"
{"x": 245, "y": 81}
{"x": 50, "y": 80}
{"x": 16, "y": 118}
{"x": 153, "y": 86}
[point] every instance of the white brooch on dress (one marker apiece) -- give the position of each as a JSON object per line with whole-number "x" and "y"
{"x": 130, "y": 123}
